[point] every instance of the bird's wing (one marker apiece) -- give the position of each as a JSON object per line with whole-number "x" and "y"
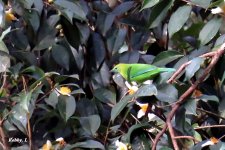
{"x": 142, "y": 70}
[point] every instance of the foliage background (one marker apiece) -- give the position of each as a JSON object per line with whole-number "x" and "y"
{"x": 71, "y": 43}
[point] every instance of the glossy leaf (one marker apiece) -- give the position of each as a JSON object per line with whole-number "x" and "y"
{"x": 178, "y": 19}
{"x": 209, "y": 30}
{"x": 105, "y": 96}
{"x": 193, "y": 67}
{"x": 33, "y": 19}
{"x": 149, "y": 3}
{"x": 71, "y": 9}
{"x": 201, "y": 3}
{"x": 159, "y": 13}
{"x": 61, "y": 56}
{"x": 66, "y": 106}
{"x": 131, "y": 129}
{"x": 146, "y": 90}
{"x": 166, "y": 57}
{"x": 116, "y": 41}
{"x": 90, "y": 124}
{"x": 25, "y": 101}
{"x": 167, "y": 93}
{"x": 52, "y": 100}
{"x": 191, "y": 106}
{"x": 120, "y": 106}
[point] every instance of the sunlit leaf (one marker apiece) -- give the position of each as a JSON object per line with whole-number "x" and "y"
{"x": 149, "y": 3}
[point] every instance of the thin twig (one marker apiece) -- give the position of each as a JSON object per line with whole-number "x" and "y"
{"x": 208, "y": 112}
{"x": 186, "y": 137}
{"x": 211, "y": 126}
{"x": 29, "y": 131}
{"x": 221, "y": 137}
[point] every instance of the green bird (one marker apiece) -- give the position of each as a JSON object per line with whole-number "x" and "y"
{"x": 139, "y": 72}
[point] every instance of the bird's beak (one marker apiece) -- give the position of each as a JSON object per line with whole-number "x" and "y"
{"x": 112, "y": 71}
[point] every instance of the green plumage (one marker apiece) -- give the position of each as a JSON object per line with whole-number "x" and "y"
{"x": 139, "y": 72}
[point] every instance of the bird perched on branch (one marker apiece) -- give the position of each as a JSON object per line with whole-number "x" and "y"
{"x": 139, "y": 72}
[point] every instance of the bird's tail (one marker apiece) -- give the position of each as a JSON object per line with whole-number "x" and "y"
{"x": 167, "y": 69}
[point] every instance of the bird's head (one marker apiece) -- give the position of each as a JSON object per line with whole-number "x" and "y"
{"x": 117, "y": 68}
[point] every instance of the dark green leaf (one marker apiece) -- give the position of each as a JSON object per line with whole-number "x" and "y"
{"x": 71, "y": 9}
{"x": 120, "y": 106}
{"x": 34, "y": 72}
{"x": 166, "y": 57}
{"x": 90, "y": 124}
{"x": 105, "y": 96}
{"x": 115, "y": 42}
{"x": 178, "y": 19}
{"x": 182, "y": 125}
{"x": 123, "y": 7}
{"x": 52, "y": 100}
{"x": 39, "y": 5}
{"x": 71, "y": 32}
{"x": 193, "y": 67}
{"x": 33, "y": 19}
{"x": 61, "y": 56}
{"x": 98, "y": 49}
{"x": 141, "y": 142}
{"x": 209, "y": 30}
{"x": 101, "y": 78}
{"x": 129, "y": 57}
{"x": 127, "y": 136}
{"x": 66, "y": 106}
{"x": 149, "y": 3}
{"x": 167, "y": 93}
{"x": 25, "y": 100}
{"x": 159, "y": 13}
{"x": 191, "y": 106}
{"x": 19, "y": 118}
{"x": 146, "y": 90}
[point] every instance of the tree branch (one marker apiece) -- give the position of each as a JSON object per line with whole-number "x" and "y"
{"x": 3, "y": 136}
{"x": 215, "y": 57}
